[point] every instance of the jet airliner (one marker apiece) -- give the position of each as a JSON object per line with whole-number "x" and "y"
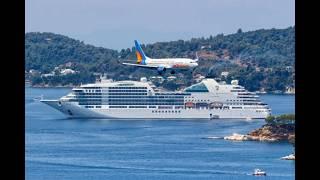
{"x": 161, "y": 65}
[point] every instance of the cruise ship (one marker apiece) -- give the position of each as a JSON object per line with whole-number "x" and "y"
{"x": 125, "y": 100}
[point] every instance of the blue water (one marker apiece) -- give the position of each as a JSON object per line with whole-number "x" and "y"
{"x": 59, "y": 148}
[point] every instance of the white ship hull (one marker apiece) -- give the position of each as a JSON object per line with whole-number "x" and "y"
{"x": 72, "y": 110}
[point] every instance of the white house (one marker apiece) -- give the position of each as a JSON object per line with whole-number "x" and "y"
{"x": 171, "y": 78}
{"x": 290, "y": 90}
{"x": 47, "y": 75}
{"x": 143, "y": 79}
{"x": 235, "y": 82}
{"x": 67, "y": 71}
{"x": 157, "y": 79}
{"x": 199, "y": 78}
{"x": 224, "y": 74}
{"x": 289, "y": 68}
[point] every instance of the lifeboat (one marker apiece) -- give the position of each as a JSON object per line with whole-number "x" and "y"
{"x": 202, "y": 105}
{"x": 189, "y": 104}
{"x": 216, "y": 104}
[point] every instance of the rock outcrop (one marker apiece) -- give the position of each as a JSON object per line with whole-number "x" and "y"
{"x": 273, "y": 132}
{"x": 268, "y": 132}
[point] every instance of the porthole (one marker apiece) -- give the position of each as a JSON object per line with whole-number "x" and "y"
{"x": 70, "y": 113}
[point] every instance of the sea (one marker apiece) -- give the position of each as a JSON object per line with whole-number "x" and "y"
{"x": 57, "y": 148}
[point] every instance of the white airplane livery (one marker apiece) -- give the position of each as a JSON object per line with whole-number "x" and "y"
{"x": 162, "y": 64}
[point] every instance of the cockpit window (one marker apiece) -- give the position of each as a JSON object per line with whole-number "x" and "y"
{"x": 200, "y": 87}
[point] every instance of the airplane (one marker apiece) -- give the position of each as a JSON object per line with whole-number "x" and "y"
{"x": 161, "y": 65}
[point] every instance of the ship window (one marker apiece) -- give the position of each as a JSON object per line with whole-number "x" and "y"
{"x": 236, "y": 107}
{"x": 88, "y": 106}
{"x": 70, "y": 113}
{"x": 117, "y": 106}
{"x": 137, "y": 106}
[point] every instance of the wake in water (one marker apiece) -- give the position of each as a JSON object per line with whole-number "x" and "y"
{"x": 173, "y": 170}
{"x": 213, "y": 137}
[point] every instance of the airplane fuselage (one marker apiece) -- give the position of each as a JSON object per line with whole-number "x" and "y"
{"x": 172, "y": 63}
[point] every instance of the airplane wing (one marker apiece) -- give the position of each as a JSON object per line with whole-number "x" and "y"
{"x": 140, "y": 65}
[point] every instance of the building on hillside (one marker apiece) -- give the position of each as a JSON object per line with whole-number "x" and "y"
{"x": 171, "y": 78}
{"x": 157, "y": 79}
{"x": 235, "y": 82}
{"x": 97, "y": 74}
{"x": 290, "y": 90}
{"x": 224, "y": 74}
{"x": 199, "y": 78}
{"x": 47, "y": 75}
{"x": 67, "y": 71}
{"x": 143, "y": 79}
{"x": 289, "y": 68}
{"x": 34, "y": 72}
{"x": 206, "y": 47}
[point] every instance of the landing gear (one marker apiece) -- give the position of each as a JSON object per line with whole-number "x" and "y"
{"x": 160, "y": 73}
{"x": 192, "y": 70}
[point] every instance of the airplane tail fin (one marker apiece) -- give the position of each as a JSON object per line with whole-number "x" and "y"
{"x": 141, "y": 57}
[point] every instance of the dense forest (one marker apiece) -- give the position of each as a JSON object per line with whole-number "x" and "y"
{"x": 263, "y": 58}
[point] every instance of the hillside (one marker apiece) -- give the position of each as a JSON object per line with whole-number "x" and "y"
{"x": 259, "y": 59}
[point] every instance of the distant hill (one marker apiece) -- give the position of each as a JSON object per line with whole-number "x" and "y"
{"x": 259, "y": 59}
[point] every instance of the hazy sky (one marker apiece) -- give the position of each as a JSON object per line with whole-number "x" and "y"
{"x": 116, "y": 23}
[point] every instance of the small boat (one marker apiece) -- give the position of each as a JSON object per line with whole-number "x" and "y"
{"x": 259, "y": 172}
{"x": 289, "y": 157}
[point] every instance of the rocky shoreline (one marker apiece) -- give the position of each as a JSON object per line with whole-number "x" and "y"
{"x": 268, "y": 132}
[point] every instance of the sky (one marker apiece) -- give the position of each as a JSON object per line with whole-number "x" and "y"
{"x": 115, "y": 24}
